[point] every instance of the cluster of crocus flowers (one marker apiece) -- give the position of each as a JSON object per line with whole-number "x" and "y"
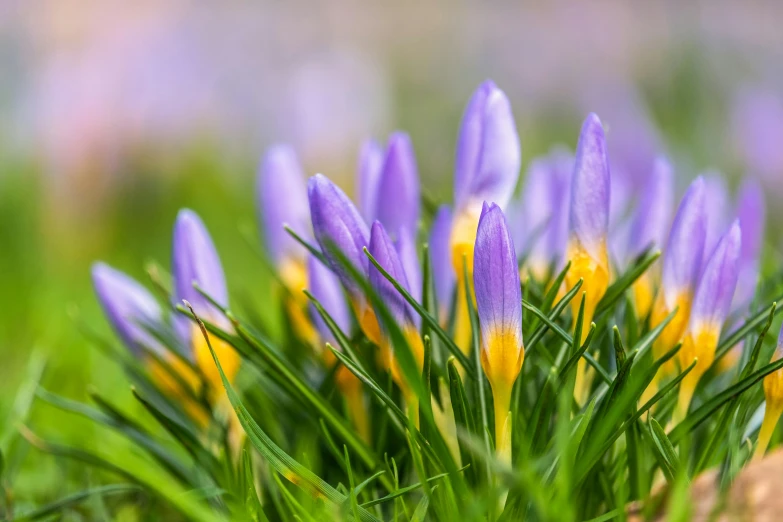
{"x": 587, "y": 245}
{"x": 134, "y": 313}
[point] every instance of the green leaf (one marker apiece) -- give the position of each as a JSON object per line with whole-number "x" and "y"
{"x": 665, "y": 454}
{"x": 75, "y": 499}
{"x": 281, "y": 461}
{"x": 618, "y": 288}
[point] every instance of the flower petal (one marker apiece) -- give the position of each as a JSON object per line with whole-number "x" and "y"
{"x": 369, "y": 177}
{"x": 684, "y": 251}
{"x": 384, "y": 251}
{"x": 128, "y": 306}
{"x": 496, "y": 277}
{"x": 716, "y": 201}
{"x": 590, "y": 189}
{"x": 751, "y": 214}
{"x": 338, "y": 226}
{"x": 326, "y": 288}
{"x": 488, "y": 150}
{"x": 398, "y": 202}
{"x": 282, "y": 197}
{"x": 194, "y": 259}
{"x": 440, "y": 256}
{"x": 406, "y": 248}
{"x": 712, "y": 300}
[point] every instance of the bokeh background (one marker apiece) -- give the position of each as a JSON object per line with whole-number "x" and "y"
{"x": 113, "y": 115}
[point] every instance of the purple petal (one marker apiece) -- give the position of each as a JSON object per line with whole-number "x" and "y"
{"x": 496, "y": 274}
{"x": 712, "y": 300}
{"x": 282, "y": 197}
{"x": 326, "y": 288}
{"x": 716, "y": 201}
{"x": 562, "y": 168}
{"x": 398, "y": 191}
{"x": 384, "y": 251}
{"x": 488, "y": 150}
{"x": 654, "y": 211}
{"x": 590, "y": 189}
{"x": 338, "y": 225}
{"x": 751, "y": 214}
{"x": 369, "y": 177}
{"x": 684, "y": 251}
{"x": 536, "y": 210}
{"x": 194, "y": 259}
{"x": 440, "y": 254}
{"x": 406, "y": 248}
{"x": 128, "y": 306}
{"x": 758, "y": 122}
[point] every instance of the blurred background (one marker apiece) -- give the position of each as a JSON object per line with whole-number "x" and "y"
{"x": 113, "y": 115}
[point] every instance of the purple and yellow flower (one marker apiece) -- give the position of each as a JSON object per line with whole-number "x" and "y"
{"x": 399, "y": 193}
{"x": 129, "y": 307}
{"x": 589, "y": 222}
{"x": 711, "y": 305}
{"x": 716, "y": 202}
{"x": 682, "y": 261}
{"x": 341, "y": 231}
{"x": 487, "y": 168}
{"x": 751, "y": 214}
{"x": 649, "y": 227}
{"x": 195, "y": 261}
{"x": 385, "y": 253}
{"x": 773, "y": 394}
{"x": 326, "y": 289}
{"x": 371, "y": 159}
{"x": 440, "y": 255}
{"x": 499, "y": 306}
{"x": 282, "y": 197}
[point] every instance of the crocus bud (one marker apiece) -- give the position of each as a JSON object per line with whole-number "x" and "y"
{"x": 338, "y": 227}
{"x": 751, "y": 214}
{"x": 282, "y": 197}
{"x": 369, "y": 177}
{"x": 773, "y": 395}
{"x": 385, "y": 253}
{"x": 398, "y": 198}
{"x": 406, "y": 248}
{"x": 682, "y": 260}
{"x": 128, "y": 306}
{"x": 487, "y": 165}
{"x": 590, "y": 216}
{"x": 499, "y": 305}
{"x": 649, "y": 227}
{"x": 711, "y": 304}
{"x": 195, "y": 260}
{"x": 440, "y": 256}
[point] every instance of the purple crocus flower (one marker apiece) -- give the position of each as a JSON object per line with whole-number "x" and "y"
{"x": 195, "y": 260}
{"x": 440, "y": 256}
{"x": 383, "y": 250}
{"x": 128, "y": 306}
{"x": 282, "y": 198}
{"x": 406, "y": 248}
{"x": 751, "y": 214}
{"x": 398, "y": 197}
{"x": 499, "y": 305}
{"x": 589, "y": 219}
{"x": 326, "y": 288}
{"x": 682, "y": 261}
{"x": 711, "y": 304}
{"x": 371, "y": 159}
{"x": 338, "y": 226}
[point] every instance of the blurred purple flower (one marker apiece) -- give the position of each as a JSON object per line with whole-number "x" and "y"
{"x": 371, "y": 157}
{"x": 751, "y": 215}
{"x": 654, "y": 211}
{"x": 398, "y": 196}
{"x": 406, "y": 248}
{"x": 716, "y": 204}
{"x": 128, "y": 306}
